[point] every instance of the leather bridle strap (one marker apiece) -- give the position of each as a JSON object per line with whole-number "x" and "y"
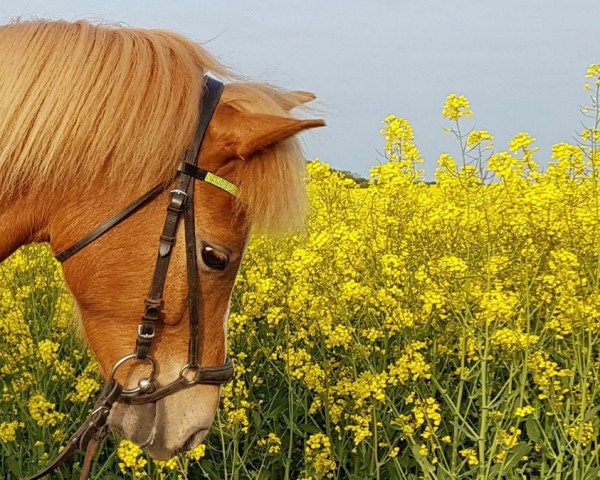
{"x": 89, "y": 436}
{"x": 112, "y": 222}
{"x": 214, "y": 90}
{"x": 181, "y": 202}
{"x": 217, "y": 375}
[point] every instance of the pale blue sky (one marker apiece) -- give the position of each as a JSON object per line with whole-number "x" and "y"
{"x": 520, "y": 62}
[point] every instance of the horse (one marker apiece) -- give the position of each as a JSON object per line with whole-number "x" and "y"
{"x": 91, "y": 117}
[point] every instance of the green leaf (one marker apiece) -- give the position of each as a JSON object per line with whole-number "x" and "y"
{"x": 309, "y": 428}
{"x": 592, "y": 474}
{"x": 13, "y": 465}
{"x": 533, "y": 430}
{"x": 494, "y": 472}
{"x": 592, "y": 414}
{"x": 110, "y": 476}
{"x": 280, "y": 407}
{"x": 423, "y": 462}
{"x": 256, "y": 420}
{"x": 264, "y": 475}
{"x": 516, "y": 455}
{"x": 75, "y": 471}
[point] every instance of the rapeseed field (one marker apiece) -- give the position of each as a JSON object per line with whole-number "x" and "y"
{"x": 416, "y": 330}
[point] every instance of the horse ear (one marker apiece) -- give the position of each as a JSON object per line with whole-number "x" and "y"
{"x": 259, "y": 131}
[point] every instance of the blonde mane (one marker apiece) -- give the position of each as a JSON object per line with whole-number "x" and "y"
{"x": 81, "y": 102}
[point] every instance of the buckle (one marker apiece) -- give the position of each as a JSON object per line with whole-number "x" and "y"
{"x": 177, "y": 190}
{"x": 178, "y": 198}
{"x": 146, "y": 336}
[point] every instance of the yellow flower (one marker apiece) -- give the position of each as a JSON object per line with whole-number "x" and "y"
{"x": 197, "y": 453}
{"x": 318, "y": 455}
{"x": 593, "y": 71}
{"x": 456, "y": 106}
{"x": 131, "y": 460}
{"x": 524, "y": 411}
{"x": 582, "y": 432}
{"x": 510, "y": 438}
{"x": 169, "y": 465}
{"x": 470, "y": 455}
{"x": 399, "y": 146}
{"x": 42, "y": 411}
{"x": 520, "y": 141}
{"x": 447, "y": 162}
{"x": 272, "y": 442}
{"x": 84, "y": 388}
{"x": 8, "y": 431}
{"x": 47, "y": 351}
{"x": 477, "y": 136}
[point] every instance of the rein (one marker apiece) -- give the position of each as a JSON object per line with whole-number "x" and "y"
{"x": 181, "y": 204}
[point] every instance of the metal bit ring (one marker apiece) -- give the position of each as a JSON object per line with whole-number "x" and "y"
{"x": 124, "y": 360}
{"x": 182, "y": 373}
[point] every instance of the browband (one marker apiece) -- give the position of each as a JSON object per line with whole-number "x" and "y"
{"x": 208, "y": 177}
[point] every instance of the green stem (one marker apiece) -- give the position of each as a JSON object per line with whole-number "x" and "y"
{"x": 483, "y": 376}
{"x": 290, "y": 407}
{"x": 223, "y": 449}
{"x": 375, "y": 460}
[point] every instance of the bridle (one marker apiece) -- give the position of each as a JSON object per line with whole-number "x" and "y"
{"x": 181, "y": 204}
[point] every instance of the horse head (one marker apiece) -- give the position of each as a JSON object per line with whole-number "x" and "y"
{"x": 99, "y": 115}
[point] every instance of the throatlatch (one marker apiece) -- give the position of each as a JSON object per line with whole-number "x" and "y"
{"x": 181, "y": 204}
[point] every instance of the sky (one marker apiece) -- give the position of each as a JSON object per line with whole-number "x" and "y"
{"x": 521, "y": 63}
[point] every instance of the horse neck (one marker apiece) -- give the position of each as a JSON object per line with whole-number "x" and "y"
{"x": 60, "y": 218}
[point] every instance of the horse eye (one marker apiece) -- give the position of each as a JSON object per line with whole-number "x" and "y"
{"x": 214, "y": 259}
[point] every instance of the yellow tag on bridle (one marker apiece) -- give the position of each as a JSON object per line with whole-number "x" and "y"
{"x": 221, "y": 183}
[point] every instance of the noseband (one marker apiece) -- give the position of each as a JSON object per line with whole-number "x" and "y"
{"x": 181, "y": 204}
